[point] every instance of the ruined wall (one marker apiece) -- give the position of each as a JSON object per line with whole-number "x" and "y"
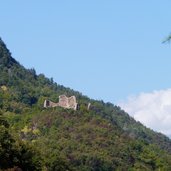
{"x": 48, "y": 103}
{"x": 65, "y": 102}
{"x": 72, "y": 102}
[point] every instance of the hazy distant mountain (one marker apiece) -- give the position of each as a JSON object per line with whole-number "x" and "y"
{"x": 101, "y": 138}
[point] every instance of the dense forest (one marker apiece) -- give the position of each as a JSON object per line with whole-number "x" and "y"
{"x": 103, "y": 138}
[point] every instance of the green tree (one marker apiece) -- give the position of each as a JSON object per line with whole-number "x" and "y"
{"x": 15, "y": 152}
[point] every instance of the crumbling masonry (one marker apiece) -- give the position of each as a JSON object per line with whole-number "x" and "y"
{"x": 64, "y": 101}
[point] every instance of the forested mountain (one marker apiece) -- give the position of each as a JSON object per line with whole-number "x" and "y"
{"x": 102, "y": 138}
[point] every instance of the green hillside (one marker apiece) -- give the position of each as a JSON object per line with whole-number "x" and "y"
{"x": 103, "y": 138}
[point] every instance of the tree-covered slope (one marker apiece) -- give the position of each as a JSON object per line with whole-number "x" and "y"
{"x": 81, "y": 140}
{"x": 102, "y": 138}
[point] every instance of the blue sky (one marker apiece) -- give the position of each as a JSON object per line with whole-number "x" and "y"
{"x": 110, "y": 50}
{"x": 106, "y": 49}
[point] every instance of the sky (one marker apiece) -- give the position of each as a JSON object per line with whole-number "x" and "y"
{"x": 109, "y": 50}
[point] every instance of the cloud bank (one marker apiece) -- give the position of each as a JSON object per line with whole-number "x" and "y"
{"x": 151, "y": 109}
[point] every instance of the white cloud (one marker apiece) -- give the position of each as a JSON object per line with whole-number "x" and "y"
{"x": 151, "y": 109}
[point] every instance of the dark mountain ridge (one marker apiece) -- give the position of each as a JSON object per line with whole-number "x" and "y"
{"x": 102, "y": 138}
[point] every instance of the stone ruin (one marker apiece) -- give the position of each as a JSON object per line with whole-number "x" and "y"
{"x": 89, "y": 105}
{"x": 64, "y": 101}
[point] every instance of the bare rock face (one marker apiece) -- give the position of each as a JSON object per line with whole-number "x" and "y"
{"x": 64, "y": 101}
